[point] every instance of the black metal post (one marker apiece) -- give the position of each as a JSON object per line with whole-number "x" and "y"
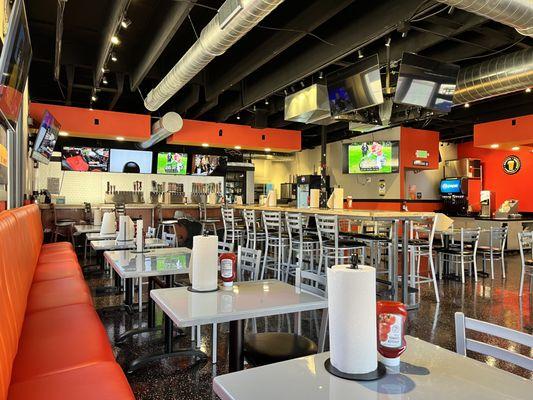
{"x": 236, "y": 342}
{"x": 151, "y": 304}
{"x": 323, "y": 164}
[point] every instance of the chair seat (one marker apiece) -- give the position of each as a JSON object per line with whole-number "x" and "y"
{"x": 57, "y": 257}
{"x": 418, "y": 242}
{"x": 307, "y": 238}
{"x": 528, "y": 262}
{"x": 63, "y": 224}
{"x": 271, "y": 347}
{"x": 454, "y": 250}
{"x": 46, "y": 271}
{"x": 486, "y": 249}
{"x": 343, "y": 243}
{"x": 58, "y": 246}
{"x": 209, "y": 221}
{"x": 169, "y": 222}
{"x": 58, "y": 293}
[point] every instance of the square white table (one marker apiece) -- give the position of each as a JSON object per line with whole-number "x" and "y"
{"x": 112, "y": 244}
{"x": 234, "y": 305}
{"x": 99, "y": 236}
{"x": 86, "y": 228}
{"x": 426, "y": 372}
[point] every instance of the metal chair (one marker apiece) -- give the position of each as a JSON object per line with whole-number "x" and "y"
{"x": 62, "y": 227}
{"x": 225, "y": 247}
{"x": 120, "y": 209}
{"x": 301, "y": 244}
{"x": 151, "y": 232}
{"x": 231, "y": 228}
{"x": 170, "y": 238}
{"x": 276, "y": 240}
{"x": 495, "y": 250}
{"x": 253, "y": 236}
{"x": 163, "y": 224}
{"x": 525, "y": 241}
{"x": 206, "y": 222}
{"x": 463, "y": 343}
{"x": 462, "y": 255}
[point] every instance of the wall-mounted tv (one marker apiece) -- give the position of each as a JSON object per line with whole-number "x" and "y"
{"x": 425, "y": 82}
{"x": 372, "y": 158}
{"x": 130, "y": 161}
{"x": 172, "y": 163}
{"x": 46, "y": 139}
{"x": 15, "y": 62}
{"x": 355, "y": 87}
{"x": 203, "y": 164}
{"x": 82, "y": 159}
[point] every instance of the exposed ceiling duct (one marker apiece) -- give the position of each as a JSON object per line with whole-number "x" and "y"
{"x": 234, "y": 19}
{"x": 515, "y": 13}
{"x": 500, "y": 75}
{"x": 164, "y": 127}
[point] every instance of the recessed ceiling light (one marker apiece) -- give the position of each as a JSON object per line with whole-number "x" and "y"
{"x": 63, "y": 133}
{"x": 528, "y": 90}
{"x": 467, "y": 105}
{"x": 237, "y": 147}
{"x": 238, "y": 116}
{"x": 120, "y": 138}
{"x": 267, "y": 149}
{"x": 494, "y": 146}
{"x": 205, "y": 144}
{"x": 515, "y": 148}
{"x": 115, "y": 40}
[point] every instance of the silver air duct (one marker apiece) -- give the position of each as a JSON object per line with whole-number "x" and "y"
{"x": 515, "y": 13}
{"x": 235, "y": 18}
{"x": 164, "y": 127}
{"x": 500, "y": 75}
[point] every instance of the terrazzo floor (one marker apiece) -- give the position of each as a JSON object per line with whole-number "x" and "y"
{"x": 495, "y": 301}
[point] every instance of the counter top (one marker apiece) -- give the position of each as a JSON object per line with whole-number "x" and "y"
{"x": 521, "y": 219}
{"x": 143, "y": 206}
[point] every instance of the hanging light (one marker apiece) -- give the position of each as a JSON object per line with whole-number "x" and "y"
{"x": 359, "y": 54}
{"x": 387, "y": 43}
{"x": 266, "y": 102}
{"x": 104, "y": 80}
{"x": 238, "y": 116}
{"x": 125, "y": 23}
{"x": 115, "y": 40}
{"x": 114, "y": 57}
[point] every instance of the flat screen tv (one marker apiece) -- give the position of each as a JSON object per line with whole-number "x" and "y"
{"x": 426, "y": 83}
{"x": 46, "y": 139}
{"x": 85, "y": 159}
{"x": 130, "y": 161}
{"x": 355, "y": 87}
{"x": 203, "y": 164}
{"x": 15, "y": 62}
{"x": 372, "y": 158}
{"x": 172, "y": 163}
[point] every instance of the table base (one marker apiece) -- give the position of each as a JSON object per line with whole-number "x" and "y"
{"x": 142, "y": 362}
{"x": 379, "y": 372}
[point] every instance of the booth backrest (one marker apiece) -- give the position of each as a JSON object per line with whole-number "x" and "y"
{"x": 20, "y": 243}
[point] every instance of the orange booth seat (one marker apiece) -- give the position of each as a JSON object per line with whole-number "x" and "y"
{"x": 52, "y": 342}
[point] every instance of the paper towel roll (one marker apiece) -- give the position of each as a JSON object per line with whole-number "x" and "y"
{"x": 314, "y": 201}
{"x": 139, "y": 237}
{"x": 271, "y": 199}
{"x": 204, "y": 263}
{"x": 338, "y": 198}
{"x": 330, "y": 200}
{"x": 97, "y": 216}
{"x": 109, "y": 224}
{"x": 352, "y": 318}
{"x": 126, "y": 229}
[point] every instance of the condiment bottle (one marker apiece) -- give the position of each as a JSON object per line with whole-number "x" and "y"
{"x": 391, "y": 320}
{"x": 228, "y": 268}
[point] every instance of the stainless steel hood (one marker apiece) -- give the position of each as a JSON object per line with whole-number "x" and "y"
{"x": 309, "y": 105}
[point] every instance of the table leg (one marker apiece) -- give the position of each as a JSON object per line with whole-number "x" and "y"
{"x": 236, "y": 342}
{"x": 394, "y": 263}
{"x": 128, "y": 300}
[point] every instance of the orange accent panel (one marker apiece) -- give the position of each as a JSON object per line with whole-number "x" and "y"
{"x": 418, "y": 139}
{"x": 396, "y": 205}
{"x": 506, "y": 132}
{"x": 197, "y": 132}
{"x": 80, "y": 122}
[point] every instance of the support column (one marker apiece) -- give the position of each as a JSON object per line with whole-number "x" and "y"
{"x": 323, "y": 164}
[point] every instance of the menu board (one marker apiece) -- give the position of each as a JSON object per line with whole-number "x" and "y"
{"x": 83, "y": 159}
{"x": 370, "y": 158}
{"x": 204, "y": 164}
{"x": 172, "y": 163}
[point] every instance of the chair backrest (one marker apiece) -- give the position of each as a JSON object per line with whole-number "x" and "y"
{"x": 250, "y": 222}
{"x": 311, "y": 282}
{"x": 525, "y": 243}
{"x": 463, "y": 343}
{"x": 248, "y": 263}
{"x": 87, "y": 211}
{"x": 470, "y": 237}
{"x": 120, "y": 209}
{"x": 225, "y": 247}
{"x": 151, "y": 232}
{"x": 228, "y": 218}
{"x": 272, "y": 223}
{"x": 425, "y": 228}
{"x": 202, "y": 209}
{"x": 295, "y": 224}
{"x": 327, "y": 227}
{"x": 170, "y": 238}
{"x": 498, "y": 237}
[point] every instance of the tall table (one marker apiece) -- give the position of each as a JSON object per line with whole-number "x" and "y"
{"x": 426, "y": 372}
{"x": 234, "y": 305}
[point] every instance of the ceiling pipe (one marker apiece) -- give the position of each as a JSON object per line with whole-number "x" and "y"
{"x": 497, "y": 76}
{"x": 59, "y": 37}
{"x": 515, "y": 13}
{"x": 174, "y": 18}
{"x": 233, "y": 20}
{"x": 164, "y": 127}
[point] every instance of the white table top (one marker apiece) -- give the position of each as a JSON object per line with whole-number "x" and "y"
{"x": 157, "y": 262}
{"x": 245, "y": 300}
{"x": 98, "y": 236}
{"x": 112, "y": 244}
{"x": 427, "y": 372}
{"x": 87, "y": 228}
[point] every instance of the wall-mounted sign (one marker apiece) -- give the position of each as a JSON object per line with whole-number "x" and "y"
{"x": 421, "y": 154}
{"x": 511, "y": 165}
{"x": 421, "y": 163}
{"x": 382, "y": 189}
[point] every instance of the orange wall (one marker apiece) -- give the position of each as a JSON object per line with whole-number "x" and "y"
{"x": 506, "y": 132}
{"x": 396, "y": 205}
{"x": 197, "y": 132}
{"x": 412, "y": 140}
{"x": 518, "y": 186}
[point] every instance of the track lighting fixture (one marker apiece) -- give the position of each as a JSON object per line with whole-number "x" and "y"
{"x": 387, "y": 43}
{"x": 114, "y": 57}
{"x": 359, "y": 54}
{"x": 125, "y": 23}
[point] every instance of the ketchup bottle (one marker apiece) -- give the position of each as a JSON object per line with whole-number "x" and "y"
{"x": 391, "y": 319}
{"x": 228, "y": 268}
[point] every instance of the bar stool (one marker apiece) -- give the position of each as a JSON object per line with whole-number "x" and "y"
{"x": 276, "y": 240}
{"x": 165, "y": 224}
{"x": 206, "y": 222}
{"x": 300, "y": 243}
{"x": 464, "y": 254}
{"x": 525, "y": 241}
{"x": 331, "y": 245}
{"x": 231, "y": 229}
{"x": 495, "y": 250}
{"x": 120, "y": 209}
{"x": 253, "y": 237}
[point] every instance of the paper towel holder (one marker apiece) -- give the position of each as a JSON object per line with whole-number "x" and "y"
{"x": 378, "y": 373}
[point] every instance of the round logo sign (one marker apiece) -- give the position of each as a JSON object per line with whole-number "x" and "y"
{"x": 511, "y": 165}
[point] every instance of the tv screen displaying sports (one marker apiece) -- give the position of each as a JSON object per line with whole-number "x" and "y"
{"x": 83, "y": 159}
{"x": 426, "y": 83}
{"x": 130, "y": 161}
{"x": 372, "y": 158}
{"x": 355, "y": 87}
{"x": 203, "y": 164}
{"x": 15, "y": 62}
{"x": 172, "y": 163}
{"x": 46, "y": 139}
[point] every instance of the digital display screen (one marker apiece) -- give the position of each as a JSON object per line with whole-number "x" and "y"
{"x": 83, "y": 159}
{"x": 204, "y": 164}
{"x": 450, "y": 186}
{"x": 46, "y": 139}
{"x": 130, "y": 161}
{"x": 371, "y": 158}
{"x": 172, "y": 163}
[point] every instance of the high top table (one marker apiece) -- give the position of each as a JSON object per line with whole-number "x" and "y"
{"x": 426, "y": 372}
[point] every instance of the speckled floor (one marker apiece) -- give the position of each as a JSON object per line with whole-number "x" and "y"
{"x": 489, "y": 300}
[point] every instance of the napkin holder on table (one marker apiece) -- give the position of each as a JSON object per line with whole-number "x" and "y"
{"x": 126, "y": 229}
{"x": 109, "y": 224}
{"x": 203, "y": 272}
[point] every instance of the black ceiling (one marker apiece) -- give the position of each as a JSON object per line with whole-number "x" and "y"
{"x": 292, "y": 45}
